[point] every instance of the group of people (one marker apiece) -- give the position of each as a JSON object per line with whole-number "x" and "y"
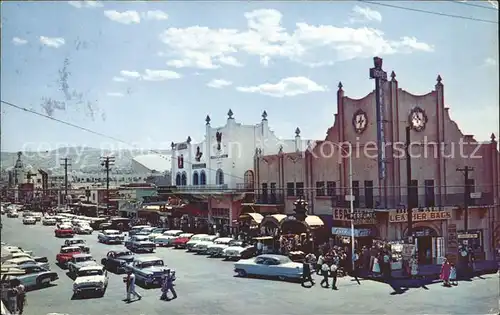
{"x": 167, "y": 286}
{"x": 448, "y": 273}
{"x": 16, "y": 297}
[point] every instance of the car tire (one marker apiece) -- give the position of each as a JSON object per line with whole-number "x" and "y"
{"x": 241, "y": 273}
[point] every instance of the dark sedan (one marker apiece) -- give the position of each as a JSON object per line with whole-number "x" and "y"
{"x": 116, "y": 260}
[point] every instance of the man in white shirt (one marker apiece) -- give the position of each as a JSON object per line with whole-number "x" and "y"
{"x": 131, "y": 286}
{"x": 259, "y": 247}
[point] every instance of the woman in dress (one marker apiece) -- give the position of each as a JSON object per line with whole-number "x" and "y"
{"x": 445, "y": 272}
{"x": 376, "y": 267}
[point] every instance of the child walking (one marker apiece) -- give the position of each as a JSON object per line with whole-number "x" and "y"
{"x": 453, "y": 275}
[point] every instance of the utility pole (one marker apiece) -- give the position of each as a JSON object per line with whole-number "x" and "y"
{"x": 409, "y": 197}
{"x": 466, "y": 171}
{"x": 106, "y": 162}
{"x": 65, "y": 164}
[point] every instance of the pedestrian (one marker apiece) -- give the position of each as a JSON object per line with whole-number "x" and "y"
{"x": 445, "y": 272}
{"x": 306, "y": 273}
{"x": 453, "y": 275}
{"x": 12, "y": 297}
{"x": 130, "y": 282}
{"x": 321, "y": 260}
{"x": 376, "y": 267}
{"x": 325, "y": 269}
{"x": 387, "y": 265}
{"x": 21, "y": 296}
{"x": 413, "y": 267}
{"x": 356, "y": 263}
{"x": 168, "y": 285}
{"x": 333, "y": 272}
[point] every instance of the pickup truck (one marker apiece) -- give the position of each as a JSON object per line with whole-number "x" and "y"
{"x": 139, "y": 243}
{"x": 80, "y": 260}
{"x": 116, "y": 260}
{"x": 148, "y": 270}
{"x": 66, "y": 254}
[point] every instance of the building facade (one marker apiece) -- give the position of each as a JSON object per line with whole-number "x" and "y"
{"x": 373, "y": 130}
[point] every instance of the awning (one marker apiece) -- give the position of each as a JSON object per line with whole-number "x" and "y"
{"x": 343, "y": 231}
{"x": 256, "y": 217}
{"x": 314, "y": 221}
{"x": 150, "y": 208}
{"x": 274, "y": 219}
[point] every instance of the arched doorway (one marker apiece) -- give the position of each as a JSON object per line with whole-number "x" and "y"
{"x": 178, "y": 179}
{"x": 249, "y": 180}
{"x": 203, "y": 178}
{"x": 429, "y": 243}
{"x": 195, "y": 178}
{"x": 183, "y": 179}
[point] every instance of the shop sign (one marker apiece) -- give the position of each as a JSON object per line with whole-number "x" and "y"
{"x": 222, "y": 156}
{"x": 342, "y": 231}
{"x": 360, "y": 216}
{"x": 199, "y": 165}
{"x": 452, "y": 244}
{"x": 420, "y": 216}
{"x": 182, "y": 146}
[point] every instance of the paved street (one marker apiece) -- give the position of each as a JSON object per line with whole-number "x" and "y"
{"x": 207, "y": 286}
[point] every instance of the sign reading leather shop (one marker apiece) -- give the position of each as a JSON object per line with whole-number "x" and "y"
{"x": 420, "y": 216}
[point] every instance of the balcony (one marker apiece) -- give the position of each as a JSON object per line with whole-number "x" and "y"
{"x": 270, "y": 199}
{"x": 202, "y": 188}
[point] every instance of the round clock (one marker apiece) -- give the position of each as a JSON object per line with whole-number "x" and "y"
{"x": 417, "y": 119}
{"x": 359, "y": 121}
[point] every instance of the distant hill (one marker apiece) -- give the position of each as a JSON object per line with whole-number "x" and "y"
{"x": 84, "y": 159}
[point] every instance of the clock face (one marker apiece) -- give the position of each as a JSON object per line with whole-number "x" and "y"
{"x": 359, "y": 121}
{"x": 417, "y": 119}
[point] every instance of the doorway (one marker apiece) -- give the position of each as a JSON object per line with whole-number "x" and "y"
{"x": 429, "y": 245}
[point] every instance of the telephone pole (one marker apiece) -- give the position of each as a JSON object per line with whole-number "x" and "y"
{"x": 466, "y": 171}
{"x": 107, "y": 162}
{"x": 65, "y": 164}
{"x": 409, "y": 197}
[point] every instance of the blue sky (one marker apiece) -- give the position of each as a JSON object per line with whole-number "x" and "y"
{"x": 149, "y": 72}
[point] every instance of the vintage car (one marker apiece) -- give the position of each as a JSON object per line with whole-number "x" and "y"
{"x": 49, "y": 221}
{"x": 140, "y": 243}
{"x": 136, "y": 229}
{"x": 146, "y": 231}
{"x": 156, "y": 232}
{"x": 12, "y": 214}
{"x": 64, "y": 230}
{"x": 15, "y": 249}
{"x": 66, "y": 254}
{"x": 76, "y": 241}
{"x": 29, "y": 221}
{"x": 120, "y": 224}
{"x": 239, "y": 250}
{"x": 216, "y": 248}
{"x": 83, "y": 227}
{"x": 33, "y": 276}
{"x": 20, "y": 261}
{"x": 80, "y": 260}
{"x": 195, "y": 239}
{"x": 201, "y": 247}
{"x": 148, "y": 270}
{"x": 91, "y": 279}
{"x": 167, "y": 238}
{"x": 37, "y": 215}
{"x": 182, "y": 240}
{"x": 273, "y": 266}
{"x": 27, "y": 213}
{"x": 116, "y": 260}
{"x": 22, "y": 254}
{"x": 110, "y": 237}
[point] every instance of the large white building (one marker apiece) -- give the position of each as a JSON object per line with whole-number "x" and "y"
{"x": 225, "y": 158}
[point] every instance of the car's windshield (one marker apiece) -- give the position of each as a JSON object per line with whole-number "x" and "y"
{"x": 157, "y": 231}
{"x": 123, "y": 254}
{"x": 72, "y": 242}
{"x": 236, "y": 243}
{"x": 207, "y": 239}
{"x": 197, "y": 238}
{"x": 112, "y": 233}
{"x": 69, "y": 250}
{"x": 222, "y": 241}
{"x": 82, "y": 259}
{"x": 86, "y": 273}
{"x": 150, "y": 263}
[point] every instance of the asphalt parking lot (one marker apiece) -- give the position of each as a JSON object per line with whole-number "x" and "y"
{"x": 208, "y": 286}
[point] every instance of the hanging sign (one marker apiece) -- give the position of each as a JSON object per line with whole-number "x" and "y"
{"x": 395, "y": 217}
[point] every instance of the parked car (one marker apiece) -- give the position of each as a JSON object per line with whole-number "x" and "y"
{"x": 195, "y": 239}
{"x": 27, "y": 213}
{"x": 136, "y": 229}
{"x": 80, "y": 260}
{"x": 167, "y": 238}
{"x": 239, "y": 250}
{"x": 49, "y": 221}
{"x": 148, "y": 270}
{"x": 156, "y": 232}
{"x": 29, "y": 221}
{"x": 76, "y": 241}
{"x": 12, "y": 214}
{"x": 64, "y": 230}
{"x": 36, "y": 258}
{"x": 20, "y": 261}
{"x": 83, "y": 228}
{"x": 34, "y": 276}
{"x": 90, "y": 279}
{"x": 110, "y": 237}
{"x": 182, "y": 240}
{"x": 116, "y": 260}
{"x": 120, "y": 224}
{"x": 275, "y": 266}
{"x": 146, "y": 231}
{"x": 66, "y": 254}
{"x": 37, "y": 215}
{"x": 16, "y": 249}
{"x": 140, "y": 243}
{"x": 218, "y": 246}
{"x": 201, "y": 247}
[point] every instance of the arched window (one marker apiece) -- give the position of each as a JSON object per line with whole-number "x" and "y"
{"x": 203, "y": 178}
{"x": 195, "y": 178}
{"x": 178, "y": 179}
{"x": 184, "y": 179}
{"x": 219, "y": 177}
{"x": 249, "y": 179}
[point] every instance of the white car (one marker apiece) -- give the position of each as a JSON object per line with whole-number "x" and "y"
{"x": 37, "y": 215}
{"x": 91, "y": 279}
{"x": 110, "y": 236}
{"x": 167, "y": 237}
{"x": 156, "y": 232}
{"x": 12, "y": 214}
{"x": 201, "y": 247}
{"x": 21, "y": 261}
{"x": 275, "y": 266}
{"x": 27, "y": 214}
{"x": 29, "y": 220}
{"x": 194, "y": 240}
{"x": 238, "y": 250}
{"x": 216, "y": 249}
{"x": 16, "y": 249}
{"x": 83, "y": 228}
{"x": 49, "y": 221}
{"x": 26, "y": 255}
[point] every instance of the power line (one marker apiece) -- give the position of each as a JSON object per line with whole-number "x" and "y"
{"x": 429, "y": 12}
{"x": 102, "y": 135}
{"x": 473, "y": 5}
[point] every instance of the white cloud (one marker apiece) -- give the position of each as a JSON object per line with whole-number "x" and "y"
{"x": 130, "y": 74}
{"x": 219, "y": 83}
{"x": 265, "y": 37}
{"x": 115, "y": 94}
{"x": 125, "y": 17}
{"x": 490, "y": 62}
{"x": 19, "y": 41}
{"x": 160, "y": 75}
{"x": 119, "y": 79}
{"x": 155, "y": 15}
{"x": 54, "y": 42}
{"x": 86, "y": 4}
{"x": 291, "y": 86}
{"x": 364, "y": 15}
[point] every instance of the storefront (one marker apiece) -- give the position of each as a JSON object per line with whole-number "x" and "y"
{"x": 270, "y": 224}
{"x": 249, "y": 223}
{"x": 473, "y": 239}
{"x": 365, "y": 226}
{"x": 362, "y": 237}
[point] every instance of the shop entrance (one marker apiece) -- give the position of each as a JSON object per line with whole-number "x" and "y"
{"x": 429, "y": 245}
